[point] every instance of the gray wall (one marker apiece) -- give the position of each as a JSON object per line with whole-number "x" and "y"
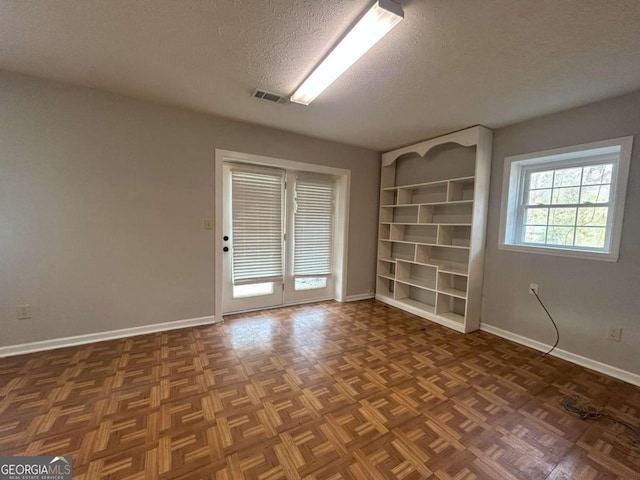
{"x": 102, "y": 202}
{"x": 586, "y": 297}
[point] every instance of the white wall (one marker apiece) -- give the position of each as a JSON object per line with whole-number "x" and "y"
{"x": 586, "y": 297}
{"x": 102, "y": 202}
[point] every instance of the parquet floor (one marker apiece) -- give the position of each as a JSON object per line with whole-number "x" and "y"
{"x": 326, "y": 391}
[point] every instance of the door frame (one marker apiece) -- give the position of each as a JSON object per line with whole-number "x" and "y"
{"x": 343, "y": 188}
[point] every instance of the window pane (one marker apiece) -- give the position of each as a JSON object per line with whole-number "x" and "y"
{"x": 539, "y": 197}
{"x": 567, "y": 177}
{"x": 566, "y": 195}
{"x": 565, "y": 199}
{"x": 593, "y": 216}
{"x": 599, "y": 194}
{"x": 535, "y": 234}
{"x": 562, "y": 216}
{"x": 253, "y": 290}
{"x": 313, "y": 224}
{"x": 310, "y": 283}
{"x": 560, "y": 235}
{"x": 594, "y": 174}
{"x": 537, "y": 216}
{"x": 590, "y": 237}
{"x": 541, "y": 179}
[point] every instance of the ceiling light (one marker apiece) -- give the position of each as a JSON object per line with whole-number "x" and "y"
{"x": 375, "y": 24}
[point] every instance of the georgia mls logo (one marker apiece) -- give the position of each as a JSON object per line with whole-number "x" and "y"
{"x": 62, "y": 465}
{"x": 35, "y": 468}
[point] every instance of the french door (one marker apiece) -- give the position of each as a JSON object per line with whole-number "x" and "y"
{"x": 278, "y": 237}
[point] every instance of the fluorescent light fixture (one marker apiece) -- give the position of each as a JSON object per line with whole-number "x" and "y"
{"x": 375, "y": 24}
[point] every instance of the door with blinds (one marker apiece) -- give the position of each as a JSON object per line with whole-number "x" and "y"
{"x": 278, "y": 237}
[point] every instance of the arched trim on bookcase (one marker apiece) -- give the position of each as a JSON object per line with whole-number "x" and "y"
{"x": 466, "y": 138}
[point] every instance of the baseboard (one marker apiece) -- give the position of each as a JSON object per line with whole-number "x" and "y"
{"x": 361, "y": 296}
{"x": 610, "y": 370}
{"x": 52, "y": 344}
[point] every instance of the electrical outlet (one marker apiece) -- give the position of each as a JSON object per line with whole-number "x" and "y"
{"x": 615, "y": 334}
{"x": 24, "y": 312}
{"x": 534, "y": 287}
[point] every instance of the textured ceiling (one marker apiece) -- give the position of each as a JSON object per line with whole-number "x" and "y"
{"x": 448, "y": 65}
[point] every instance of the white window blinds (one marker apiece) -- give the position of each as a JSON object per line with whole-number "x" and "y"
{"x": 313, "y": 225}
{"x": 257, "y": 225}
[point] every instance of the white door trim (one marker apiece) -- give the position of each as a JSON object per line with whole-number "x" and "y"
{"x": 343, "y": 187}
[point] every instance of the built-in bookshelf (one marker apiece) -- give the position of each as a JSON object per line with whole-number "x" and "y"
{"x": 432, "y": 234}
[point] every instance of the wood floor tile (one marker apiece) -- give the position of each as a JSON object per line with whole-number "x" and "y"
{"x": 322, "y": 391}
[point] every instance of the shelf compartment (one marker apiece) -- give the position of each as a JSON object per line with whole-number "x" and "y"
{"x": 385, "y": 286}
{"x": 454, "y": 285}
{"x": 388, "y": 197}
{"x": 404, "y": 214}
{"x": 421, "y": 276}
{"x": 451, "y": 308}
{"x": 462, "y": 189}
{"x": 416, "y": 297}
{"x": 401, "y": 251}
{"x": 454, "y": 259}
{"x": 436, "y": 192}
{"x": 389, "y": 250}
{"x": 385, "y": 230}
{"x": 453, "y": 213}
{"x": 384, "y": 250}
{"x": 386, "y": 214}
{"x": 386, "y": 269}
{"x": 454, "y": 235}
{"x": 414, "y": 233}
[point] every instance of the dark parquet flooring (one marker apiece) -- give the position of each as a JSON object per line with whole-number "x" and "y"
{"x": 327, "y": 391}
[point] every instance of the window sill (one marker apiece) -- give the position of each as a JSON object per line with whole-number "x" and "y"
{"x": 560, "y": 252}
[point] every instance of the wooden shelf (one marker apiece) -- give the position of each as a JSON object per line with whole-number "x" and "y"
{"x": 388, "y": 276}
{"x": 432, "y": 233}
{"x": 453, "y": 292}
{"x": 443, "y": 246}
{"x": 390, "y": 260}
{"x": 429, "y": 184}
{"x": 430, "y": 204}
{"x": 416, "y": 304}
{"x": 431, "y": 224}
{"x": 454, "y": 317}
{"x": 416, "y": 282}
{"x": 455, "y": 270}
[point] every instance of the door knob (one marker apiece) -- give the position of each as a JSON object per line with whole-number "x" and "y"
{"x": 225, "y": 238}
{"x": 225, "y": 249}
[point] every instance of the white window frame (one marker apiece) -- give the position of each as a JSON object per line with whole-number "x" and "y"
{"x": 513, "y": 185}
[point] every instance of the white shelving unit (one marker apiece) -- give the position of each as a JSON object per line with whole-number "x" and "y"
{"x": 432, "y": 234}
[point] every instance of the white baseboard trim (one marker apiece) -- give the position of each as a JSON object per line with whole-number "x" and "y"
{"x": 52, "y": 344}
{"x": 361, "y": 296}
{"x": 610, "y": 370}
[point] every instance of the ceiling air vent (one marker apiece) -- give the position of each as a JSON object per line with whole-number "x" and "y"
{"x": 272, "y": 97}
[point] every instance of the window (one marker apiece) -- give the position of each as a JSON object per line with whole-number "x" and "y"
{"x": 310, "y": 283}
{"x": 252, "y": 290}
{"x": 313, "y": 236}
{"x": 567, "y": 201}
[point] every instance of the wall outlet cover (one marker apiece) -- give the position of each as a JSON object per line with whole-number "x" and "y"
{"x": 615, "y": 334}
{"x": 24, "y": 312}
